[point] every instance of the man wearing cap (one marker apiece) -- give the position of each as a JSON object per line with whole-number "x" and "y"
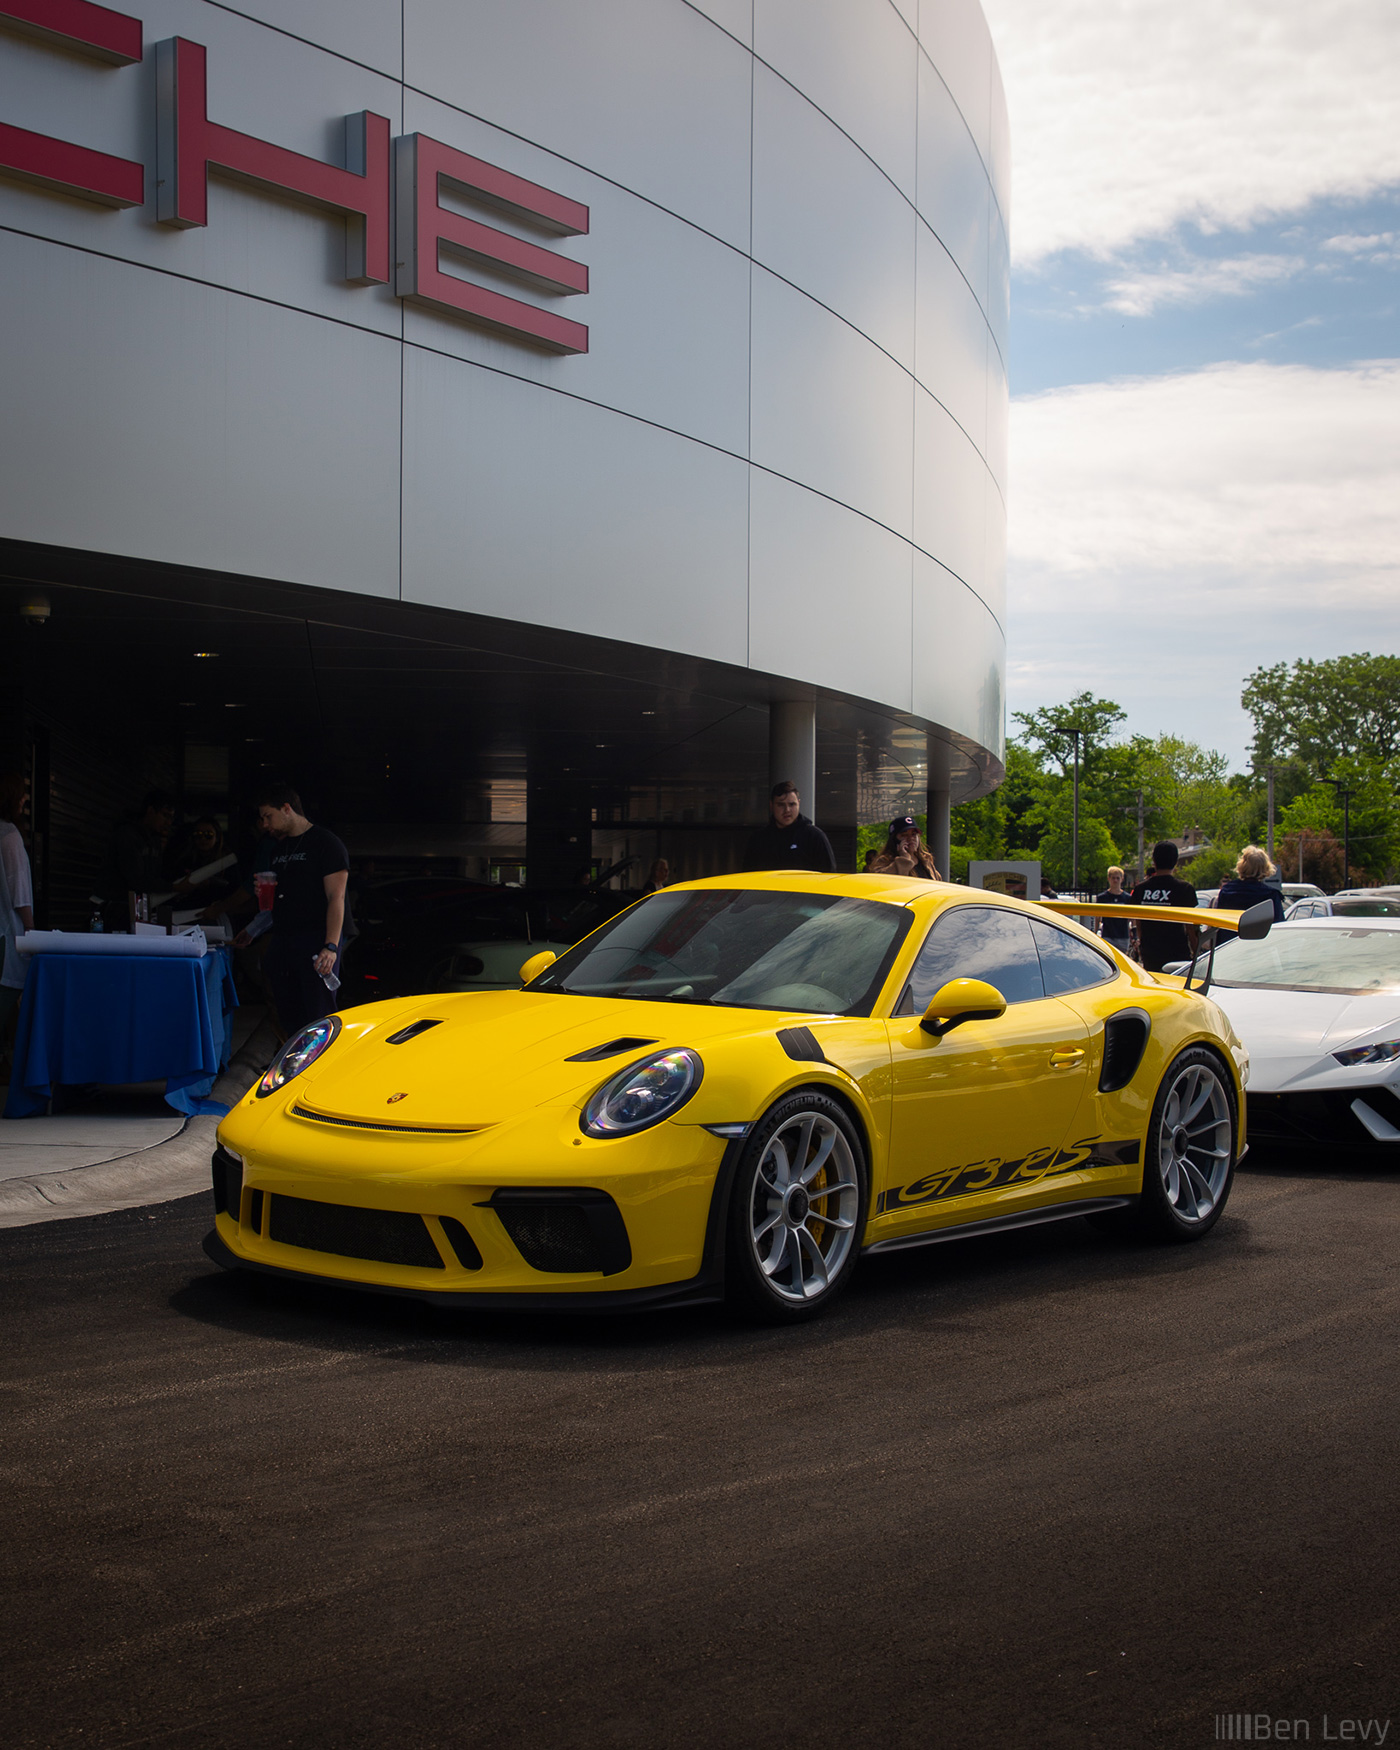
{"x": 790, "y": 840}
{"x": 905, "y": 853}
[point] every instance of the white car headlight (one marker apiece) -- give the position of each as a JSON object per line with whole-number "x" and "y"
{"x": 643, "y": 1095}
{"x": 301, "y": 1049}
{"x": 1383, "y": 1053}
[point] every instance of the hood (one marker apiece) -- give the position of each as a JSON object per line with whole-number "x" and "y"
{"x": 496, "y": 1052}
{"x": 1288, "y": 1031}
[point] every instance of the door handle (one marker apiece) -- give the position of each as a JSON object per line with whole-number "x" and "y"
{"x": 1065, "y": 1057}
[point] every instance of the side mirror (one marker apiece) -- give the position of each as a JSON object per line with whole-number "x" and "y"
{"x": 962, "y": 999}
{"x": 1256, "y": 923}
{"x": 536, "y": 964}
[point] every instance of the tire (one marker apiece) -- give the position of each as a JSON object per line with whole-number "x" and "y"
{"x": 796, "y": 1211}
{"x": 1189, "y": 1163}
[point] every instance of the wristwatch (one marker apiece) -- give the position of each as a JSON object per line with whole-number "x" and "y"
{"x": 330, "y": 948}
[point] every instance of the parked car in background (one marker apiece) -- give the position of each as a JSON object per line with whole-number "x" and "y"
{"x": 1317, "y": 1005}
{"x": 1357, "y": 903}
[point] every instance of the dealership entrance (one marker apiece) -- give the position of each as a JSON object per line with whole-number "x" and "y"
{"x": 431, "y": 741}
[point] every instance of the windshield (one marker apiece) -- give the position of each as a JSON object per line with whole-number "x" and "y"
{"x": 749, "y": 950}
{"x": 1294, "y": 957}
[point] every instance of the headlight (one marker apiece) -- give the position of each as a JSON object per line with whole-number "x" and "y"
{"x": 300, "y": 1050}
{"x": 643, "y": 1095}
{"x": 1369, "y": 1053}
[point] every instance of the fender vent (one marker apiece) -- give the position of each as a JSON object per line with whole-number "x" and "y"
{"x": 1124, "y": 1041}
{"x": 801, "y": 1044}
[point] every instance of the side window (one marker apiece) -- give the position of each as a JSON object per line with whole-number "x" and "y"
{"x": 1066, "y": 963}
{"x": 976, "y": 941}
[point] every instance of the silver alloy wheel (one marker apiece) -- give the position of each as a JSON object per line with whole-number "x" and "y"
{"x": 1193, "y": 1144}
{"x": 804, "y": 1206}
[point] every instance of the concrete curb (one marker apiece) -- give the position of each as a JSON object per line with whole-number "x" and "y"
{"x": 178, "y": 1167}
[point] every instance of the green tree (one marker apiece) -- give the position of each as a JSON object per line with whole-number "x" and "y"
{"x": 1051, "y": 729}
{"x": 1318, "y": 711}
{"x": 1374, "y": 842}
{"x": 1096, "y": 844}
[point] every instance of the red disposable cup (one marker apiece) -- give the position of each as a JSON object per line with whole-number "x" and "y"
{"x": 266, "y": 887}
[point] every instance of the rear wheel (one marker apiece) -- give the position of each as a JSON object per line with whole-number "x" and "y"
{"x": 1189, "y": 1166}
{"x": 796, "y": 1211}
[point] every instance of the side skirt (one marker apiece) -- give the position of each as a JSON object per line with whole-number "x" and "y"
{"x": 999, "y": 1224}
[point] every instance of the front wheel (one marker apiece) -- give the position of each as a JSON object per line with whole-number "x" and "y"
{"x": 1189, "y": 1164}
{"x": 797, "y": 1210}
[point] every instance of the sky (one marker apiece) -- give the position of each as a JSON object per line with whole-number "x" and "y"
{"x": 1205, "y": 348}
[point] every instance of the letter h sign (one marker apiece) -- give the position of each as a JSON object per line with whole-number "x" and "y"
{"x": 188, "y": 143}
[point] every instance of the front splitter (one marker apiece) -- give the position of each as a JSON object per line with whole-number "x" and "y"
{"x": 698, "y": 1291}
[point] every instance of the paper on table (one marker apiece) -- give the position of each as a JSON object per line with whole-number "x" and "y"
{"x": 150, "y": 929}
{"x": 81, "y": 942}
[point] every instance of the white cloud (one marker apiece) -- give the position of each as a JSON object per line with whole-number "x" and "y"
{"x": 1140, "y": 293}
{"x": 1350, "y": 245}
{"x": 1379, "y": 246}
{"x": 1129, "y": 117}
{"x": 1170, "y": 534}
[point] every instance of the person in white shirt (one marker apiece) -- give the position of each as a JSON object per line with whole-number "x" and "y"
{"x": 16, "y": 892}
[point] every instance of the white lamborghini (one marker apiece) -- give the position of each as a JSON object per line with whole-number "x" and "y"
{"x": 1318, "y": 1006}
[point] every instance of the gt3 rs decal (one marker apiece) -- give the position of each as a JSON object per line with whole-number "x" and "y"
{"x": 988, "y": 1175}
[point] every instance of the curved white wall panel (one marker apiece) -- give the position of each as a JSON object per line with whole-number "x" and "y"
{"x": 784, "y": 445}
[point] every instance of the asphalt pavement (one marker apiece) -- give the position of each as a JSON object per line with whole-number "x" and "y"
{"x": 1037, "y": 1491}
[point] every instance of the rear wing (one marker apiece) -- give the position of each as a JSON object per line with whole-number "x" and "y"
{"x": 1251, "y": 925}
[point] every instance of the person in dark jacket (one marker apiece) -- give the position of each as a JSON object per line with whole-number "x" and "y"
{"x": 789, "y": 841}
{"x": 905, "y": 853}
{"x": 1250, "y": 884}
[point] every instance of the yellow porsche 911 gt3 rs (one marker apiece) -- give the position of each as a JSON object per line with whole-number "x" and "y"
{"x": 735, "y": 1089}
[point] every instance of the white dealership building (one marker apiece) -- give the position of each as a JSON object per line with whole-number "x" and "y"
{"x": 532, "y": 425}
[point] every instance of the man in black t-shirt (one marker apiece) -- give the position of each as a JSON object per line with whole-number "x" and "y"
{"x": 1163, "y": 942}
{"x": 308, "y": 913}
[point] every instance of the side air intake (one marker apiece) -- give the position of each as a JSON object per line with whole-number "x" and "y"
{"x": 1124, "y": 1041}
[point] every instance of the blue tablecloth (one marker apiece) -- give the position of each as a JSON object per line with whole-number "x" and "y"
{"x": 124, "y": 1018}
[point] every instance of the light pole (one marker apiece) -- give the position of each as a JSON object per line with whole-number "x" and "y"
{"x": 1074, "y": 842}
{"x": 1270, "y": 845}
{"x": 1344, "y": 791}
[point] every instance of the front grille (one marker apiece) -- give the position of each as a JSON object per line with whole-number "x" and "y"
{"x": 1321, "y": 1120}
{"x": 381, "y": 1236}
{"x": 396, "y": 1129}
{"x": 564, "y": 1230}
{"x": 228, "y": 1183}
{"x": 552, "y": 1237}
{"x": 461, "y": 1242}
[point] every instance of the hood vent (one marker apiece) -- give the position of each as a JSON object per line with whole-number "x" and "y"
{"x": 404, "y": 1034}
{"x": 613, "y": 1048}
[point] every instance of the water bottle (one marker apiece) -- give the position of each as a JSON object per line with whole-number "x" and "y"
{"x": 95, "y": 923}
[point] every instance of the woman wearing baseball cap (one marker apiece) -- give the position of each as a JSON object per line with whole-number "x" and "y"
{"x": 905, "y": 853}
